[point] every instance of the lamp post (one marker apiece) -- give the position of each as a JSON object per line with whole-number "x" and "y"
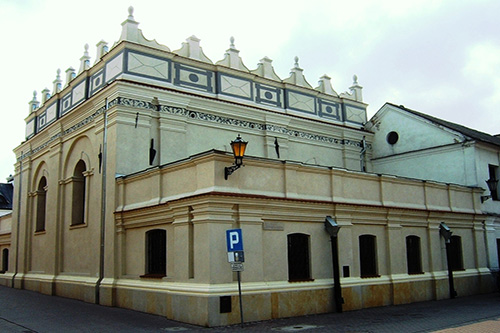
{"x": 238, "y": 146}
{"x": 332, "y": 228}
{"x": 492, "y": 186}
{"x": 446, "y": 233}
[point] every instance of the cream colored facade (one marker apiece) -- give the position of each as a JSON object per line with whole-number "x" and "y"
{"x": 5, "y": 238}
{"x": 138, "y": 143}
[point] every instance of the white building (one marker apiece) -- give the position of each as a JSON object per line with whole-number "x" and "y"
{"x": 413, "y": 144}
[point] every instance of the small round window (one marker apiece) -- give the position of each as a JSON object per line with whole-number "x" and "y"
{"x": 392, "y": 137}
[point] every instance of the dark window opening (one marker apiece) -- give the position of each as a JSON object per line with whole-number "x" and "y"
{"x": 78, "y": 195}
{"x": 156, "y": 253}
{"x": 368, "y": 256}
{"x": 392, "y": 137}
{"x": 455, "y": 259}
{"x": 298, "y": 258}
{"x": 41, "y": 204}
{"x": 413, "y": 255}
{"x": 5, "y": 260}
{"x": 498, "y": 253}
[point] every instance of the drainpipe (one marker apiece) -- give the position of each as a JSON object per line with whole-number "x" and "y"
{"x": 332, "y": 228}
{"x": 18, "y": 216}
{"x": 103, "y": 204}
{"x": 362, "y": 154}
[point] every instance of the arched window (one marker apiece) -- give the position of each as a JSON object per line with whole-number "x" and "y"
{"x": 5, "y": 260}
{"x": 156, "y": 253}
{"x": 78, "y": 194}
{"x": 368, "y": 256}
{"x": 298, "y": 257}
{"x": 41, "y": 203}
{"x": 413, "y": 255}
{"x": 455, "y": 254}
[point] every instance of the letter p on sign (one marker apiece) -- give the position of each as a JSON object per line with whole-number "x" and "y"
{"x": 234, "y": 240}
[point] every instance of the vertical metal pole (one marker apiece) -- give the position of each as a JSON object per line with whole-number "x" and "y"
{"x": 19, "y": 197}
{"x": 239, "y": 293}
{"x": 337, "y": 289}
{"x": 453, "y": 293}
{"x": 103, "y": 204}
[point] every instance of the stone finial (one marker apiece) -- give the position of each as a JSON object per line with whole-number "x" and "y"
{"x": 265, "y": 69}
{"x": 102, "y": 49}
{"x": 130, "y": 13}
{"x": 325, "y": 86}
{"x": 191, "y": 49}
{"x": 297, "y": 76}
{"x": 85, "y": 60}
{"x": 34, "y": 103}
{"x": 132, "y": 33}
{"x": 70, "y": 75}
{"x": 130, "y": 27}
{"x": 232, "y": 58}
{"x": 45, "y": 95}
{"x": 57, "y": 83}
{"x": 356, "y": 89}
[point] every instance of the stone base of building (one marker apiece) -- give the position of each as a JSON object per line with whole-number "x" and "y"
{"x": 218, "y": 305}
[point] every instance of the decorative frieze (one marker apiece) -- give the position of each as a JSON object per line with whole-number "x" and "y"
{"x": 202, "y": 116}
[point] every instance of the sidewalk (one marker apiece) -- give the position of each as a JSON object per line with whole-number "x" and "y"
{"x": 26, "y": 311}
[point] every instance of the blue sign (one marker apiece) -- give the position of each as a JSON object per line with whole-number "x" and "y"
{"x": 234, "y": 240}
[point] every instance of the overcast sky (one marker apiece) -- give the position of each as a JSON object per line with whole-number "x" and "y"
{"x": 437, "y": 57}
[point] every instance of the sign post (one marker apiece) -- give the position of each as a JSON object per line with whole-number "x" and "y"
{"x": 236, "y": 257}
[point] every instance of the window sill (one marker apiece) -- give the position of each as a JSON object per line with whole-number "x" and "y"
{"x": 416, "y": 273}
{"x": 77, "y": 226}
{"x": 370, "y": 276}
{"x": 152, "y": 276}
{"x": 40, "y": 232}
{"x": 301, "y": 280}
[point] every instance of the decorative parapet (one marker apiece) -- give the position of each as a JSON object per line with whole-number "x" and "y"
{"x": 188, "y": 69}
{"x": 232, "y": 58}
{"x": 191, "y": 49}
{"x": 297, "y": 76}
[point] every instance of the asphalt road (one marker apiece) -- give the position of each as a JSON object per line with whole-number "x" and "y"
{"x": 27, "y": 311}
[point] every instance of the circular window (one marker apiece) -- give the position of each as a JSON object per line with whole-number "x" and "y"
{"x": 392, "y": 137}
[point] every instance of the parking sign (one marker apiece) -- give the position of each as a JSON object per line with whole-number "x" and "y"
{"x": 234, "y": 240}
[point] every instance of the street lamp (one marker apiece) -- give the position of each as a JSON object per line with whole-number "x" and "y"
{"x": 332, "y": 228}
{"x": 492, "y": 186}
{"x": 238, "y": 146}
{"x": 446, "y": 233}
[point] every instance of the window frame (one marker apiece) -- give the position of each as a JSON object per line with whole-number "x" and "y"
{"x": 41, "y": 205}
{"x": 155, "y": 265}
{"x": 368, "y": 265}
{"x": 413, "y": 255}
{"x": 456, "y": 254}
{"x": 299, "y": 257}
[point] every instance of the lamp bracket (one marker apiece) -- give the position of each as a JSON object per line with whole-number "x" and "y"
{"x": 230, "y": 169}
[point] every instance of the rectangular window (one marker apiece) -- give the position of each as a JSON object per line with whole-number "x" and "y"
{"x": 368, "y": 256}
{"x": 455, "y": 259}
{"x": 156, "y": 253}
{"x": 414, "y": 263}
{"x": 298, "y": 258}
